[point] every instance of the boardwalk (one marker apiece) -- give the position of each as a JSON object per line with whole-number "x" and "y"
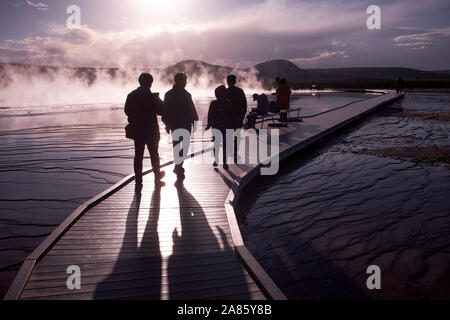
{"x": 174, "y": 242}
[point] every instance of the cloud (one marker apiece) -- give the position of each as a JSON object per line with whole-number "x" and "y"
{"x": 242, "y": 35}
{"x": 87, "y": 47}
{"x": 310, "y": 33}
{"x": 38, "y": 5}
{"x": 420, "y": 41}
{"x": 321, "y": 55}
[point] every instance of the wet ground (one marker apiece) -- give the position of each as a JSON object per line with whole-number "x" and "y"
{"x": 54, "y": 158}
{"x": 376, "y": 193}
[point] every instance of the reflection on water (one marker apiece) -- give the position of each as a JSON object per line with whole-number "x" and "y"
{"x": 53, "y": 158}
{"x": 333, "y": 212}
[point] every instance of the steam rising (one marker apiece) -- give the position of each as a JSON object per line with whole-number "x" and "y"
{"x": 28, "y": 85}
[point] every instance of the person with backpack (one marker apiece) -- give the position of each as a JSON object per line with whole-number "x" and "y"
{"x": 142, "y": 108}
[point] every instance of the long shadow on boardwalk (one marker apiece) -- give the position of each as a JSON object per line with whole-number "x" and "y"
{"x": 201, "y": 266}
{"x": 137, "y": 272}
{"x": 212, "y": 279}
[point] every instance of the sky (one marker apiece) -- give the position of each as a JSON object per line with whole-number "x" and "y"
{"x": 237, "y": 33}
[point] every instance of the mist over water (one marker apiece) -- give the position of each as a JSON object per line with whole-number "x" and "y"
{"x": 27, "y": 85}
{"x": 55, "y": 157}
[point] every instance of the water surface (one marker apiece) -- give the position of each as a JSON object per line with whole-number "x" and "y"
{"x": 55, "y": 157}
{"x": 333, "y": 211}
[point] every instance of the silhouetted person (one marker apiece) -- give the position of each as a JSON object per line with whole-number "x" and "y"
{"x": 220, "y": 118}
{"x": 179, "y": 113}
{"x": 284, "y": 94}
{"x": 237, "y": 97}
{"x": 142, "y": 107}
{"x": 262, "y": 107}
{"x": 400, "y": 84}
{"x": 239, "y": 101}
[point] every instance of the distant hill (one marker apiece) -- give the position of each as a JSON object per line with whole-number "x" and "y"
{"x": 293, "y": 73}
{"x": 283, "y": 69}
{"x": 378, "y": 73}
{"x": 442, "y": 71}
{"x": 205, "y": 73}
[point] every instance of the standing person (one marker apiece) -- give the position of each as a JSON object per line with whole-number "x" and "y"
{"x": 239, "y": 107}
{"x": 399, "y": 84}
{"x": 179, "y": 114}
{"x": 284, "y": 95}
{"x": 237, "y": 97}
{"x": 142, "y": 107}
{"x": 220, "y": 118}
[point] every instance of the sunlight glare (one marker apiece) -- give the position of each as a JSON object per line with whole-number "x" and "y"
{"x": 160, "y": 6}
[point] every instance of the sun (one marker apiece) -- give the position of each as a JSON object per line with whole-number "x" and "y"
{"x": 159, "y": 5}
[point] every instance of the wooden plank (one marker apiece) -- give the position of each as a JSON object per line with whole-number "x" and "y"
{"x": 234, "y": 227}
{"x": 114, "y": 240}
{"x": 19, "y": 281}
{"x": 136, "y": 276}
{"x": 83, "y": 235}
{"x": 101, "y": 250}
{"x": 185, "y": 288}
{"x": 141, "y": 293}
{"x": 124, "y": 268}
{"x": 188, "y": 261}
{"x": 263, "y": 279}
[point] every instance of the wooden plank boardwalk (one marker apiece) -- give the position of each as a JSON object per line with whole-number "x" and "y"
{"x": 174, "y": 242}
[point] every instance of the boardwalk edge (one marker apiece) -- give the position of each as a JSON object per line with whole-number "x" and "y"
{"x": 249, "y": 261}
{"x": 256, "y": 270}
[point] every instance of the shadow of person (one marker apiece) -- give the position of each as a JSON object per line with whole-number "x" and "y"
{"x": 228, "y": 181}
{"x": 200, "y": 267}
{"x": 137, "y": 270}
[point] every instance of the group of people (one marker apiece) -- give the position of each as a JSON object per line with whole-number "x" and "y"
{"x": 142, "y": 108}
{"x": 177, "y": 112}
{"x": 283, "y": 93}
{"x": 227, "y": 112}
